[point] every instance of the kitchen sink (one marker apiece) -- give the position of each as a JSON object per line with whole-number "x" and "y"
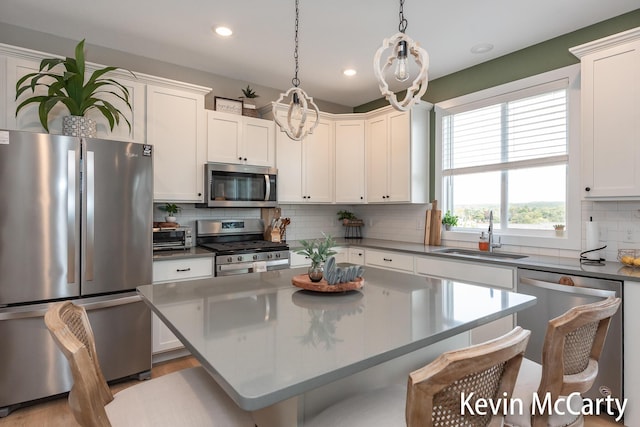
{"x": 479, "y": 254}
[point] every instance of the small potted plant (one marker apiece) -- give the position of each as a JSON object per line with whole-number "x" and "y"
{"x": 449, "y": 220}
{"x": 559, "y": 229}
{"x": 317, "y": 251}
{"x": 69, "y": 88}
{"x": 346, "y": 216}
{"x": 171, "y": 209}
{"x": 248, "y": 104}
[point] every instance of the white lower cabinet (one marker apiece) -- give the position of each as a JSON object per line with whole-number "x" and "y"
{"x": 342, "y": 254}
{"x": 175, "y": 270}
{"x": 298, "y": 260}
{"x": 487, "y": 275}
{"x": 389, "y": 260}
{"x": 356, "y": 256}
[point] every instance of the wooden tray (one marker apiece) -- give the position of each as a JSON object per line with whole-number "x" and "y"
{"x": 303, "y": 281}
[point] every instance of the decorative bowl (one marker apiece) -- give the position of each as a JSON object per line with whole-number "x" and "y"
{"x": 629, "y": 257}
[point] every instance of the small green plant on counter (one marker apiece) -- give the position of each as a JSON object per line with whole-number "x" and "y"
{"x": 346, "y": 216}
{"x": 170, "y": 208}
{"x": 318, "y": 250}
{"x": 449, "y": 220}
{"x": 558, "y": 227}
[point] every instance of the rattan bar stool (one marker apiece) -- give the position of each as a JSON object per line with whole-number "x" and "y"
{"x": 572, "y": 347}
{"x": 189, "y": 397}
{"x": 433, "y": 394}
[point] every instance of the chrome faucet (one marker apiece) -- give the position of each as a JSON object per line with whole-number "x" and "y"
{"x": 492, "y": 245}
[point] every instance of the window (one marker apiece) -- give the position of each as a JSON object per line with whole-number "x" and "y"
{"x": 507, "y": 150}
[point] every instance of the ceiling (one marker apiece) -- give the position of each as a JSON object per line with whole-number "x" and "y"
{"x": 333, "y": 34}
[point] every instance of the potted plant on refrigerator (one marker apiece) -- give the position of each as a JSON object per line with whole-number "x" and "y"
{"x": 70, "y": 88}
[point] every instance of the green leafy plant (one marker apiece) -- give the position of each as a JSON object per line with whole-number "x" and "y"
{"x": 558, "y": 227}
{"x": 450, "y": 219}
{"x": 249, "y": 93}
{"x": 318, "y": 250}
{"x": 69, "y": 88}
{"x": 170, "y": 208}
{"x": 346, "y": 215}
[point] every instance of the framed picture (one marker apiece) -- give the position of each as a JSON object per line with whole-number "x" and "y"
{"x": 227, "y": 105}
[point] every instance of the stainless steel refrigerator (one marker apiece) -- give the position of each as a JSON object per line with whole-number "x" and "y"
{"x": 76, "y": 223}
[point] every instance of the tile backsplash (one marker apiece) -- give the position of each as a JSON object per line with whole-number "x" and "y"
{"x": 619, "y": 223}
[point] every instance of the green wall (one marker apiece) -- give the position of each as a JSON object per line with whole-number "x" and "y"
{"x": 539, "y": 58}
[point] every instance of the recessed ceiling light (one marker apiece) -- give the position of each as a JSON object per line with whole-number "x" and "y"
{"x": 349, "y": 72}
{"x": 482, "y": 48}
{"x": 223, "y": 31}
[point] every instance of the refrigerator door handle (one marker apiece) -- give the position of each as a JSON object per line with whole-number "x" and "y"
{"x": 71, "y": 216}
{"x": 90, "y": 216}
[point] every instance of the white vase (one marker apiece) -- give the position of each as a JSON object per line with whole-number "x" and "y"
{"x": 79, "y": 126}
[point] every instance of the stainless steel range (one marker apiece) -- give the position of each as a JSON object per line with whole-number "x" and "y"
{"x": 240, "y": 246}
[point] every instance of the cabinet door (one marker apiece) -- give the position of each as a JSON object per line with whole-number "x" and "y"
{"x": 377, "y": 159}
{"x": 289, "y": 164}
{"x": 258, "y": 142}
{"x": 28, "y": 118}
{"x": 350, "y": 161}
{"x": 611, "y": 122}
{"x": 356, "y": 256}
{"x": 399, "y": 140}
{"x": 176, "y": 128}
{"x": 224, "y": 134}
{"x": 318, "y": 164}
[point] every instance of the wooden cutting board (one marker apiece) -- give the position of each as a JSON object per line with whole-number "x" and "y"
{"x": 436, "y": 224}
{"x": 427, "y": 227}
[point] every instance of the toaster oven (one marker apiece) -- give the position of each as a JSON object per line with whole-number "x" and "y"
{"x": 172, "y": 238}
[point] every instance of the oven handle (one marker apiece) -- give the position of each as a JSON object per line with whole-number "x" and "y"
{"x": 567, "y": 288}
{"x": 249, "y": 265}
{"x": 267, "y": 183}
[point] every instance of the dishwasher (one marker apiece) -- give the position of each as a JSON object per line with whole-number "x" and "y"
{"x": 554, "y": 299}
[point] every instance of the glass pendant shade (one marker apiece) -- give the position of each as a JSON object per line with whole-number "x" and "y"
{"x": 402, "y": 47}
{"x": 302, "y": 115}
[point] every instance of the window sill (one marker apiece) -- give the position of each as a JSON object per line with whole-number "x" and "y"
{"x": 569, "y": 241}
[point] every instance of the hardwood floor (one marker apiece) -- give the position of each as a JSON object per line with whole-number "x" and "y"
{"x": 56, "y": 412}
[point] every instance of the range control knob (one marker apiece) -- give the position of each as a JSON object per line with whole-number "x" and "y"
{"x": 239, "y": 258}
{"x": 269, "y": 256}
{"x": 255, "y": 257}
{"x": 229, "y": 259}
{"x": 277, "y": 255}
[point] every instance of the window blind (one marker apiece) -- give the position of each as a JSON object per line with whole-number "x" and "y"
{"x": 508, "y": 135}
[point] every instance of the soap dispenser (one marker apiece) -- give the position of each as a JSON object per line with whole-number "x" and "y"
{"x": 483, "y": 244}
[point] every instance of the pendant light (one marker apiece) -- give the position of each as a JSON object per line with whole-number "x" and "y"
{"x": 297, "y": 125}
{"x": 402, "y": 46}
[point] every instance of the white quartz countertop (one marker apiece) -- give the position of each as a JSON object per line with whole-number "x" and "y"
{"x": 264, "y": 340}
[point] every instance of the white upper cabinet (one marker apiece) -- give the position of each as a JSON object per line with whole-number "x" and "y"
{"x": 350, "y": 175}
{"x": 397, "y": 153}
{"x": 611, "y": 116}
{"x": 27, "y": 119}
{"x": 305, "y": 168}
{"x": 239, "y": 139}
{"x": 176, "y": 127}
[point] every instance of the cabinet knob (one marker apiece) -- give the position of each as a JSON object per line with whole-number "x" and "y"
{"x": 587, "y": 189}
{"x": 361, "y": 197}
{"x": 239, "y": 158}
{"x": 199, "y": 194}
{"x": 245, "y": 159}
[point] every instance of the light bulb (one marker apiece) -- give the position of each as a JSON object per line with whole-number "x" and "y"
{"x": 296, "y": 108}
{"x": 401, "y": 74}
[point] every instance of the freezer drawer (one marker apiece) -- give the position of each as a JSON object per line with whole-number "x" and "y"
{"x": 32, "y": 366}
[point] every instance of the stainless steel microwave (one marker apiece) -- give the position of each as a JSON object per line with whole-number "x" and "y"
{"x": 228, "y": 185}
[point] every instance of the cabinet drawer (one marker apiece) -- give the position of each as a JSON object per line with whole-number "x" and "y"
{"x": 392, "y": 260}
{"x": 182, "y": 269}
{"x": 469, "y": 272}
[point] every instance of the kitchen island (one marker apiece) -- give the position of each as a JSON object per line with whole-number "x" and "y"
{"x": 278, "y": 350}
